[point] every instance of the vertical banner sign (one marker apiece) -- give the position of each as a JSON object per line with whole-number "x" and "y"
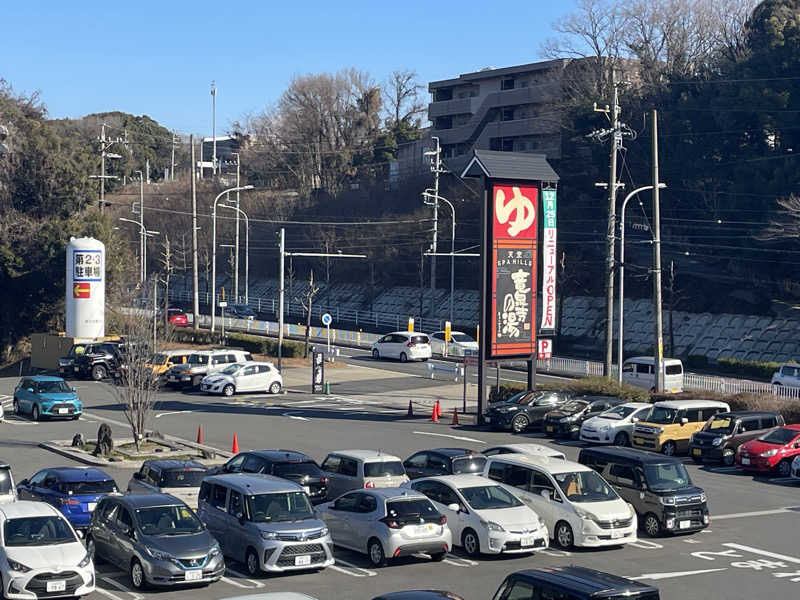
{"x": 317, "y": 372}
{"x": 512, "y": 235}
{"x": 549, "y": 261}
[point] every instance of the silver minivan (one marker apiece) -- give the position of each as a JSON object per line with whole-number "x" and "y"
{"x": 353, "y": 469}
{"x": 265, "y": 522}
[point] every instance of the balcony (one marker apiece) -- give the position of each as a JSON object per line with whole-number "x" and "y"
{"x": 450, "y": 107}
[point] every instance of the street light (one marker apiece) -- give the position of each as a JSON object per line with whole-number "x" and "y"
{"x": 622, "y": 272}
{"x": 246, "y": 250}
{"x": 214, "y": 250}
{"x": 430, "y": 194}
{"x": 236, "y": 259}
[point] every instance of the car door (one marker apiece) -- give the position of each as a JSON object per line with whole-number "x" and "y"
{"x": 749, "y": 428}
{"x": 416, "y": 465}
{"x": 331, "y": 467}
{"x": 457, "y": 520}
{"x": 547, "y": 508}
{"x": 437, "y": 343}
{"x": 139, "y": 482}
{"x": 122, "y": 549}
{"x": 595, "y": 408}
{"x": 30, "y": 489}
{"x": 47, "y": 490}
{"x": 624, "y": 480}
{"x": 234, "y": 465}
{"x": 338, "y": 516}
{"x": 102, "y": 526}
{"x": 26, "y": 395}
{"x": 254, "y": 464}
{"x": 362, "y": 519}
{"x": 235, "y": 530}
{"x": 216, "y": 505}
{"x": 247, "y": 380}
{"x": 437, "y": 464}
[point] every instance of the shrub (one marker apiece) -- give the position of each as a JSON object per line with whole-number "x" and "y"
{"x": 505, "y": 391}
{"x": 257, "y": 344}
{"x": 189, "y": 336}
{"x": 789, "y": 408}
{"x": 747, "y": 368}
{"x": 593, "y": 386}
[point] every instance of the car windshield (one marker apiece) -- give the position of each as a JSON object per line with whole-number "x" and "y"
{"x": 574, "y": 406}
{"x": 231, "y": 370}
{"x": 546, "y": 400}
{"x": 280, "y": 507}
{"x": 519, "y": 398}
{"x": 158, "y": 359}
{"x": 780, "y": 436}
{"x": 420, "y": 339}
{"x": 387, "y": 468}
{"x": 671, "y": 476}
{"x": 488, "y": 497}
{"x": 54, "y": 387}
{"x": 662, "y": 415}
{"x": 720, "y": 425}
{"x": 177, "y": 519}
{"x": 81, "y": 488}
{"x": 472, "y": 464}
{"x": 5, "y": 482}
{"x": 585, "y": 486}
{"x": 186, "y": 477}
{"x": 198, "y": 359}
{"x": 461, "y": 337}
{"x": 618, "y": 413}
{"x": 37, "y": 531}
{"x": 296, "y": 470}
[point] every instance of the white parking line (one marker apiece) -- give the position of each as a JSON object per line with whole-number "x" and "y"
{"x": 122, "y": 588}
{"x": 645, "y": 545}
{"x": 780, "y": 479}
{"x": 346, "y": 571}
{"x": 756, "y": 513}
{"x": 107, "y": 593}
{"x": 556, "y": 553}
{"x": 174, "y": 412}
{"x": 235, "y": 583}
{"x": 367, "y": 572}
{"x": 292, "y": 416}
{"x": 454, "y": 437}
{"x": 257, "y": 584}
{"x": 790, "y": 559}
{"x": 657, "y": 576}
{"x": 457, "y": 560}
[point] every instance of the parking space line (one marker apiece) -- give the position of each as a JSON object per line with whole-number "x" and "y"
{"x": 657, "y": 576}
{"x": 791, "y": 559}
{"x": 243, "y": 576}
{"x": 235, "y": 583}
{"x": 556, "y": 553}
{"x": 454, "y": 437}
{"x": 366, "y": 572}
{"x": 756, "y": 513}
{"x": 105, "y": 592}
{"x": 645, "y": 545}
{"x": 346, "y": 571}
{"x": 122, "y": 588}
{"x": 451, "y": 558}
{"x": 291, "y": 415}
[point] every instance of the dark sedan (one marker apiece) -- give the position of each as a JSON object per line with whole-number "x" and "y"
{"x": 524, "y": 410}
{"x": 444, "y": 461}
{"x": 566, "y": 420}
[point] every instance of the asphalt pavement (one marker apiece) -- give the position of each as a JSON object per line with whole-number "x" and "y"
{"x": 749, "y": 551}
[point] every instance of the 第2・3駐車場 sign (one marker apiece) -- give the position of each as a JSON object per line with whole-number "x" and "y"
{"x": 512, "y": 239}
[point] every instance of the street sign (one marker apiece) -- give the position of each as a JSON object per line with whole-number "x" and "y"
{"x": 223, "y": 304}
{"x": 411, "y": 324}
{"x": 545, "y": 349}
{"x": 317, "y": 371}
{"x": 81, "y": 290}
{"x": 327, "y": 319}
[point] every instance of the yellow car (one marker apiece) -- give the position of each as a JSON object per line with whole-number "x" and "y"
{"x": 164, "y": 361}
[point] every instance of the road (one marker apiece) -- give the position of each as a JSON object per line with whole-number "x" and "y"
{"x": 750, "y": 550}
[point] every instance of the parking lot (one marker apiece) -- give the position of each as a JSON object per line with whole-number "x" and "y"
{"x": 749, "y": 551}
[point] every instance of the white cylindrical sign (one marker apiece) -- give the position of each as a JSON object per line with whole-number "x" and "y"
{"x": 86, "y": 288}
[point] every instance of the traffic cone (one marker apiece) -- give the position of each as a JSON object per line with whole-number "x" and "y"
{"x": 438, "y": 409}
{"x": 455, "y": 417}
{"x": 410, "y": 414}
{"x": 435, "y": 413}
{"x": 199, "y": 434}
{"x": 235, "y": 447}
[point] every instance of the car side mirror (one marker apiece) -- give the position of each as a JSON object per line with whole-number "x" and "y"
{"x": 23, "y": 482}
{"x": 634, "y": 419}
{"x": 137, "y": 475}
{"x": 684, "y": 421}
{"x": 29, "y": 390}
{"x": 797, "y": 444}
{"x": 74, "y": 389}
{"x": 454, "y": 507}
{"x": 240, "y": 517}
{"x": 546, "y": 494}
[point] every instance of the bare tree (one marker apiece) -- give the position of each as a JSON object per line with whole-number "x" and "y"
{"x": 401, "y": 97}
{"x": 306, "y": 301}
{"x": 168, "y": 268}
{"x": 786, "y": 225}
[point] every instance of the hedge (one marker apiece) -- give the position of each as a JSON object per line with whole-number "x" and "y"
{"x": 263, "y": 345}
{"x": 190, "y": 336}
{"x": 591, "y": 386}
{"x": 748, "y": 368}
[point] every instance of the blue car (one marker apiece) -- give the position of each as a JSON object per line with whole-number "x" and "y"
{"x": 46, "y": 397}
{"x": 74, "y": 491}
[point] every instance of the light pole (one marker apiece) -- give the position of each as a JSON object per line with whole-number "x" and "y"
{"x": 214, "y": 250}
{"x": 142, "y": 249}
{"x": 236, "y": 258}
{"x": 246, "y": 250}
{"x": 143, "y": 233}
{"x": 622, "y": 272}
{"x": 428, "y": 194}
{"x": 214, "y": 133}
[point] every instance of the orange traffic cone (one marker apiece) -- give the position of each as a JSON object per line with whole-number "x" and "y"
{"x": 410, "y": 413}
{"x": 199, "y": 434}
{"x": 455, "y": 417}
{"x": 235, "y": 447}
{"x": 435, "y": 413}
{"x": 438, "y": 408}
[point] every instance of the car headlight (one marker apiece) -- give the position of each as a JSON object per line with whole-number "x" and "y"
{"x": 565, "y": 419}
{"x": 159, "y": 554}
{"x": 85, "y": 562}
{"x": 584, "y": 515}
{"x": 667, "y": 500}
{"x": 605, "y": 428}
{"x": 324, "y": 532}
{"x": 769, "y": 453}
{"x": 492, "y": 526}
{"x": 633, "y": 510}
{"x": 214, "y": 551}
{"x": 268, "y": 535}
{"x": 16, "y": 566}
{"x": 716, "y": 441}
{"x": 703, "y": 497}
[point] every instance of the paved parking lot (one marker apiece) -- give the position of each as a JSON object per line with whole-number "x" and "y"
{"x": 750, "y": 550}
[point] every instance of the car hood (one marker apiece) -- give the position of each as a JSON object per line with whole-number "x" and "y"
{"x": 191, "y": 545}
{"x": 59, "y": 397}
{"x": 293, "y": 526}
{"x": 684, "y": 492}
{"x": 610, "y": 510}
{"x": 472, "y": 345}
{"x": 757, "y": 447}
{"x": 600, "y": 422}
{"x": 216, "y": 377}
{"x": 185, "y": 367}
{"x": 55, "y": 557}
{"x": 517, "y": 518}
{"x": 560, "y": 412}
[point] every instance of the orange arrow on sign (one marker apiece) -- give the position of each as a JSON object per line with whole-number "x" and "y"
{"x": 81, "y": 290}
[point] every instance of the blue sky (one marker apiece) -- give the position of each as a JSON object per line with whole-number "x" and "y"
{"x": 158, "y": 58}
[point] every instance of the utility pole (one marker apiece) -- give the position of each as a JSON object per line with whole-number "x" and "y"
{"x": 102, "y": 166}
{"x": 236, "y": 260}
{"x": 172, "y": 162}
{"x": 280, "y": 296}
{"x": 214, "y": 127}
{"x": 437, "y": 169}
{"x": 659, "y": 326}
{"x": 142, "y": 231}
{"x": 195, "y": 278}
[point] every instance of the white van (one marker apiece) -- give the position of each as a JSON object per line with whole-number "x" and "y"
{"x": 578, "y": 506}
{"x": 639, "y": 371}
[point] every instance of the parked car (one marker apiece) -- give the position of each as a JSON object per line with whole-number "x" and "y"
{"x": 66, "y": 364}
{"x": 251, "y": 376}
{"x": 165, "y": 360}
{"x": 272, "y": 596}
{"x": 99, "y": 361}
{"x": 443, "y": 461}
{"x": 722, "y": 435}
{"x": 639, "y": 371}
{"x": 286, "y": 464}
{"x": 575, "y": 583}
{"x": 403, "y": 346}
{"x": 177, "y": 318}
{"x": 387, "y": 523}
{"x": 566, "y": 419}
{"x": 156, "y": 538}
{"x": 241, "y": 311}
{"x": 74, "y": 491}
{"x": 773, "y": 451}
{"x": 2, "y": 413}
{"x": 459, "y": 345}
{"x": 353, "y": 469}
{"x": 796, "y": 467}
{"x": 44, "y": 397}
{"x": 576, "y": 504}
{"x": 40, "y": 555}
{"x": 523, "y": 410}
{"x": 8, "y": 491}
{"x": 419, "y": 595}
{"x": 265, "y": 522}
{"x": 179, "y": 478}
{"x": 670, "y": 424}
{"x": 658, "y": 487}
{"x": 202, "y": 363}
{"x": 614, "y": 426}
{"x": 483, "y": 516}
{"x": 788, "y": 375}
{"x": 530, "y": 449}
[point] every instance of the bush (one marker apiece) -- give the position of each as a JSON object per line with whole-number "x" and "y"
{"x": 257, "y": 344}
{"x": 591, "y": 386}
{"x": 505, "y": 392}
{"x": 789, "y": 408}
{"x": 747, "y": 368}
{"x": 189, "y": 336}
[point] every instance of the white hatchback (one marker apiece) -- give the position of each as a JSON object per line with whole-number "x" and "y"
{"x": 250, "y": 376}
{"x": 458, "y": 344}
{"x": 403, "y": 346}
{"x": 530, "y": 449}
{"x": 40, "y": 554}
{"x": 614, "y": 426}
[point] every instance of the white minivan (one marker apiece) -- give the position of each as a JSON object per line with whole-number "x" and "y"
{"x": 403, "y": 346}
{"x": 639, "y": 371}
{"x": 576, "y": 504}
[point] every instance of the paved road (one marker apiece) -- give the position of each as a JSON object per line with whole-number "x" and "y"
{"x": 742, "y": 555}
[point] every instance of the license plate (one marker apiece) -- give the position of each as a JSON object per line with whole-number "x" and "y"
{"x": 488, "y": 419}
{"x": 307, "y": 489}
{"x": 615, "y": 535}
{"x": 639, "y": 441}
{"x": 59, "y": 585}
{"x": 528, "y": 540}
{"x": 90, "y": 506}
{"x": 549, "y": 428}
{"x": 193, "y": 575}
{"x": 422, "y": 529}
{"x": 745, "y": 461}
{"x": 173, "y": 378}
{"x": 302, "y": 561}
{"x": 684, "y": 524}
{"x": 63, "y": 411}
{"x": 76, "y": 369}
{"x": 697, "y": 451}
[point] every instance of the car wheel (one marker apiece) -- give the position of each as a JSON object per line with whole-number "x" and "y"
{"x": 784, "y": 467}
{"x": 403, "y": 357}
{"x": 470, "y": 543}
{"x": 375, "y": 552}
{"x": 438, "y": 556}
{"x": 376, "y": 355}
{"x": 137, "y": 575}
{"x": 564, "y": 538}
{"x": 651, "y": 525}
{"x": 251, "y": 562}
{"x": 621, "y": 439}
{"x": 35, "y": 414}
{"x": 228, "y": 390}
{"x": 17, "y": 410}
{"x": 669, "y": 448}
{"x": 98, "y": 374}
{"x": 728, "y": 457}
{"x": 519, "y": 423}
{"x": 275, "y": 388}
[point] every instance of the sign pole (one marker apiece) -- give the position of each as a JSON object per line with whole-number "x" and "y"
{"x": 485, "y": 249}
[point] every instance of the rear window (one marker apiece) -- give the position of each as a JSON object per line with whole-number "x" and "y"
{"x": 473, "y": 464}
{"x": 296, "y": 469}
{"x": 420, "y": 339}
{"x": 182, "y": 478}
{"x": 673, "y": 369}
{"x": 382, "y": 469}
{"x": 198, "y": 359}
{"x": 412, "y": 510}
{"x": 79, "y": 488}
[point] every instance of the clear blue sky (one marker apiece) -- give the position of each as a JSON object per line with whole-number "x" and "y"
{"x": 158, "y": 58}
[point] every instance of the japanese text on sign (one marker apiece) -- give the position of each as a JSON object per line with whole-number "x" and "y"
{"x": 549, "y": 261}
{"x": 87, "y": 265}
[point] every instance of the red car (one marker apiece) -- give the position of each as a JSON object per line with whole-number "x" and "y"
{"x": 177, "y": 317}
{"x": 773, "y": 451}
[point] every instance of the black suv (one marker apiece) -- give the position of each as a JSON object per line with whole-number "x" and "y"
{"x": 566, "y": 420}
{"x": 287, "y": 464}
{"x": 575, "y": 583}
{"x": 444, "y": 461}
{"x": 99, "y": 361}
{"x": 524, "y": 410}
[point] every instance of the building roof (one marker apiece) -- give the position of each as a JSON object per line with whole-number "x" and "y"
{"x": 73, "y": 474}
{"x": 490, "y": 73}
{"x": 584, "y": 580}
{"x": 521, "y": 166}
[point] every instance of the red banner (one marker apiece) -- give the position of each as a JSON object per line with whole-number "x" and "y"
{"x": 81, "y": 290}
